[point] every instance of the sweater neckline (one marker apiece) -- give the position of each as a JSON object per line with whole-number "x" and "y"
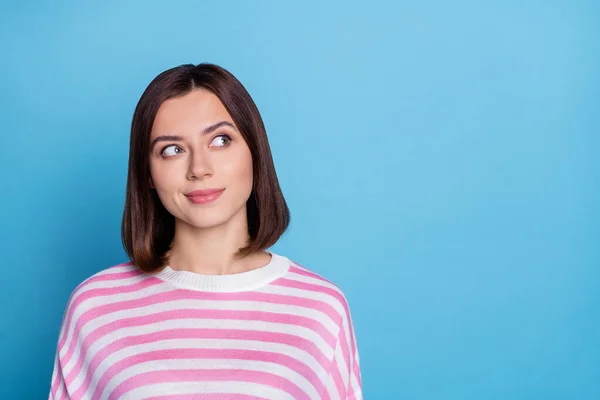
{"x": 238, "y": 282}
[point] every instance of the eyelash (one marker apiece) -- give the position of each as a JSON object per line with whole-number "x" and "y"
{"x": 162, "y": 151}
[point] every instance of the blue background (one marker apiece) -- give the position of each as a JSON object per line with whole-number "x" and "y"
{"x": 440, "y": 159}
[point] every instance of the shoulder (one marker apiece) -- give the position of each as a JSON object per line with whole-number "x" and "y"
{"x": 109, "y": 281}
{"x": 113, "y": 276}
{"x": 334, "y": 296}
{"x": 319, "y": 287}
{"x": 301, "y": 273}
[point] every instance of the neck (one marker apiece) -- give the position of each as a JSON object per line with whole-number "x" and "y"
{"x": 211, "y": 251}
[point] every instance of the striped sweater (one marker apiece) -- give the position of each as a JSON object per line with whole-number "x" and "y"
{"x": 276, "y": 332}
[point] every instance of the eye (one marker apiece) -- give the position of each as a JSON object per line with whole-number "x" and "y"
{"x": 220, "y": 141}
{"x": 170, "y": 151}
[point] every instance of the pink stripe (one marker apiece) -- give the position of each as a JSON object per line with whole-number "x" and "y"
{"x": 308, "y": 323}
{"x": 58, "y": 381}
{"x": 343, "y": 341}
{"x": 194, "y": 375}
{"x": 304, "y": 271}
{"x": 207, "y": 396}
{"x": 311, "y": 287}
{"x": 84, "y": 319}
{"x": 345, "y": 352}
{"x": 326, "y": 290}
{"x": 75, "y": 300}
{"x": 336, "y": 293}
{"x": 337, "y": 379}
{"x": 116, "y": 276}
{"x": 356, "y": 372}
{"x": 219, "y": 354}
{"x": 61, "y": 385}
{"x": 190, "y": 333}
{"x": 180, "y": 294}
{"x": 305, "y": 322}
{"x": 55, "y": 376}
{"x": 322, "y": 289}
{"x": 108, "y": 276}
{"x": 111, "y": 276}
{"x": 336, "y": 366}
{"x": 351, "y": 393}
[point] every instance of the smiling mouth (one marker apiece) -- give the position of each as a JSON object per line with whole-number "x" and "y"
{"x": 204, "y": 196}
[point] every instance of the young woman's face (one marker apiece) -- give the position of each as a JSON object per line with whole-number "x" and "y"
{"x": 201, "y": 166}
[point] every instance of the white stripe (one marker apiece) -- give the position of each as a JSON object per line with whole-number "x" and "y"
{"x": 118, "y": 283}
{"x": 113, "y": 283}
{"x": 55, "y": 375}
{"x": 193, "y": 304}
{"x": 109, "y": 271}
{"x": 211, "y": 364}
{"x": 310, "y": 279}
{"x": 332, "y": 390}
{"x": 331, "y": 325}
{"x": 115, "y": 269}
{"x": 349, "y": 339}
{"x": 83, "y": 287}
{"x": 216, "y": 304}
{"x": 343, "y": 303}
{"x": 355, "y": 385}
{"x": 229, "y": 344}
{"x": 315, "y": 295}
{"x": 307, "y": 294}
{"x": 99, "y": 301}
{"x": 209, "y": 387}
{"x": 340, "y": 364}
{"x": 189, "y": 323}
{"x": 96, "y": 300}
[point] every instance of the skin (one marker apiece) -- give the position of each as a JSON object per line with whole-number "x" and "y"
{"x": 206, "y": 235}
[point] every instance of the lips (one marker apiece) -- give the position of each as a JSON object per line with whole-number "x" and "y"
{"x": 204, "y": 196}
{"x": 204, "y": 192}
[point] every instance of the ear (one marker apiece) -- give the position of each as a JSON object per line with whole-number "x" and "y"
{"x": 152, "y": 184}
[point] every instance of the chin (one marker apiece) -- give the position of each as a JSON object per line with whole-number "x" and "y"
{"x": 213, "y": 217}
{"x": 206, "y": 221}
{"x": 207, "y": 224}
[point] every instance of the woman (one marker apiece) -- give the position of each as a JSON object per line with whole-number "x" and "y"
{"x": 204, "y": 310}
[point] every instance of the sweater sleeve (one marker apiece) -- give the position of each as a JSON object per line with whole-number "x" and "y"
{"x": 58, "y": 389}
{"x": 57, "y": 381}
{"x": 344, "y": 381}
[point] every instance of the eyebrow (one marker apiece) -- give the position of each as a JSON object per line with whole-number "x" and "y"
{"x": 206, "y": 131}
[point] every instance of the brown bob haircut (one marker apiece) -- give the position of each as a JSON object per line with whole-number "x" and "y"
{"x": 147, "y": 228}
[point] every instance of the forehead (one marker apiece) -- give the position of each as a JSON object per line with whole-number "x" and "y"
{"x": 193, "y": 111}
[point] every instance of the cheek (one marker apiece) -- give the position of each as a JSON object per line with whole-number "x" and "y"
{"x": 247, "y": 169}
{"x": 241, "y": 169}
{"x": 163, "y": 177}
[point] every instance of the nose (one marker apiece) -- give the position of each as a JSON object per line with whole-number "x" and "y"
{"x": 199, "y": 166}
